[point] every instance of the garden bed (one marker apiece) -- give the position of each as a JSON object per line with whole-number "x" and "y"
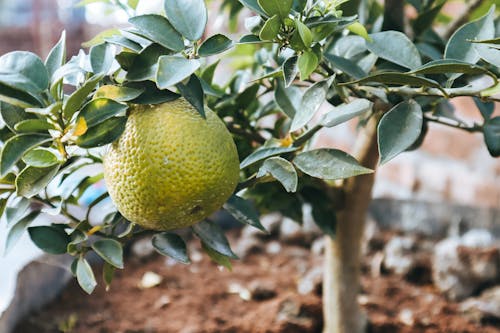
{"x": 261, "y": 294}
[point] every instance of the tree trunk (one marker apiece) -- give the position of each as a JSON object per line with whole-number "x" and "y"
{"x": 341, "y": 284}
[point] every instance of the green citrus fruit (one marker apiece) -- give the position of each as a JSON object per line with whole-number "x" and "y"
{"x": 171, "y": 168}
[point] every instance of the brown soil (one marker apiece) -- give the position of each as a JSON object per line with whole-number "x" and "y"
{"x": 202, "y": 298}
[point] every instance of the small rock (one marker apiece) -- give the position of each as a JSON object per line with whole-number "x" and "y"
{"x": 261, "y": 290}
{"x": 311, "y": 282}
{"x": 459, "y": 270}
{"x": 318, "y": 246}
{"x": 483, "y": 308}
{"x": 372, "y": 237}
{"x": 399, "y": 254}
{"x": 242, "y": 292}
{"x": 195, "y": 255}
{"x": 293, "y": 233}
{"x": 150, "y": 280}
{"x": 162, "y": 302}
{"x": 296, "y": 317}
{"x": 247, "y": 245}
{"x": 142, "y": 248}
{"x": 478, "y": 238}
{"x": 271, "y": 222}
{"x": 406, "y": 316}
{"x": 273, "y": 247}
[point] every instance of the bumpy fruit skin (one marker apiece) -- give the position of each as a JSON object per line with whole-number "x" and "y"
{"x": 171, "y": 168}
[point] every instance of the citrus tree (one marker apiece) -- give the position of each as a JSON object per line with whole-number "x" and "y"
{"x": 143, "y": 101}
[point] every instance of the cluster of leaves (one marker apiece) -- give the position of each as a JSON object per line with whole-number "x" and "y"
{"x": 300, "y": 57}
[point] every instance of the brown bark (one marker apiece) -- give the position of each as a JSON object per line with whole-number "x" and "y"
{"x": 342, "y": 313}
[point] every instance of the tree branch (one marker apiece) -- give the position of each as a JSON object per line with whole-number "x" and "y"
{"x": 394, "y": 15}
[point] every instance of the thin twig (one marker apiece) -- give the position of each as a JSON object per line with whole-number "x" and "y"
{"x": 454, "y": 123}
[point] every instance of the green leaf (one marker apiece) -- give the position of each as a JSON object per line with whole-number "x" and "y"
{"x": 313, "y": 97}
{"x": 304, "y": 33}
{"x": 214, "y": 45}
{"x": 280, "y": 8}
{"x": 398, "y": 129}
{"x": 489, "y": 54}
{"x": 250, "y": 39}
{"x": 486, "y": 108}
{"x": 218, "y": 258}
{"x": 208, "y": 73}
{"x": 16, "y": 209}
{"x": 299, "y": 5}
{"x": 101, "y": 58}
{"x": 110, "y": 250}
{"x": 159, "y": 30}
{"x": 345, "y": 112}
{"x": 12, "y": 115}
{"x": 281, "y": 170}
{"x": 118, "y": 93}
{"x": 85, "y": 276}
{"x": 459, "y": 46}
{"x": 288, "y": 99}
{"x": 243, "y": 211}
{"x": 491, "y": 131}
{"x": 9, "y": 179}
{"x": 124, "y": 42}
{"x": 359, "y": 29}
{"x": 145, "y": 65}
{"x": 263, "y": 153}
{"x": 57, "y": 56}
{"x": 253, "y": 5}
{"x": 213, "y": 236}
{"x": 17, "y": 230}
{"x": 174, "y": 69}
{"x": 308, "y": 62}
{"x": 98, "y": 110}
{"x": 79, "y": 96}
{"x": 290, "y": 70}
{"x": 33, "y": 125}
{"x": 270, "y": 29}
{"x": 172, "y": 245}
{"x": 108, "y": 273}
{"x": 15, "y": 147}
{"x": 151, "y": 94}
{"x": 32, "y": 180}
{"x": 135, "y": 36}
{"x": 133, "y": 4}
{"x": 100, "y": 37}
{"x": 40, "y": 158}
{"x": 425, "y": 19}
{"x": 23, "y": 71}
{"x": 17, "y": 97}
{"x": 345, "y": 65}
{"x": 50, "y": 239}
{"x": 446, "y": 66}
{"x": 393, "y": 78}
{"x": 189, "y": 17}
{"x": 330, "y": 164}
{"x": 102, "y": 134}
{"x": 192, "y": 91}
{"x": 395, "y": 47}
{"x": 3, "y": 204}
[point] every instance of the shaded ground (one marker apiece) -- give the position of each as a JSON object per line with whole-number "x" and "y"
{"x": 259, "y": 295}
